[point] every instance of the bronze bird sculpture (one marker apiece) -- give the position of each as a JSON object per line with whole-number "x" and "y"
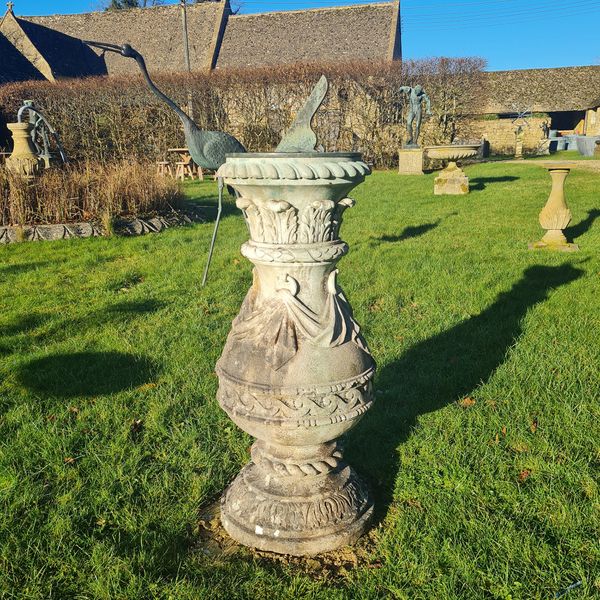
{"x": 207, "y": 148}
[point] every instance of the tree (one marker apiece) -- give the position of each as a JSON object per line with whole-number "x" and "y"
{"x": 122, "y": 4}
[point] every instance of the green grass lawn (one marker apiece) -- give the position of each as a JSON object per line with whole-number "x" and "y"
{"x": 564, "y": 155}
{"x": 482, "y": 450}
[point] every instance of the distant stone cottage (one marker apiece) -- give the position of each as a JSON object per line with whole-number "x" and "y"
{"x": 51, "y": 47}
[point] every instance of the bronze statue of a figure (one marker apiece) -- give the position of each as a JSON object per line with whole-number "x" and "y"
{"x": 416, "y": 96}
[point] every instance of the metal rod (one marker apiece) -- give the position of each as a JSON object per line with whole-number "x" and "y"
{"x": 186, "y": 53}
{"x": 214, "y": 235}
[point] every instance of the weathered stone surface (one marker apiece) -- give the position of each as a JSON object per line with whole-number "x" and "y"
{"x": 362, "y": 32}
{"x": 410, "y": 161}
{"x": 126, "y": 227}
{"x": 451, "y": 180}
{"x": 23, "y": 161}
{"x": 555, "y": 215}
{"x": 295, "y": 372}
{"x": 519, "y": 145}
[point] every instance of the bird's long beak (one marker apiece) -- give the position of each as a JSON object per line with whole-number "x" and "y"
{"x": 104, "y": 46}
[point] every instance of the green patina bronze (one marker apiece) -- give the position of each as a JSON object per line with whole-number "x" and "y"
{"x": 300, "y": 136}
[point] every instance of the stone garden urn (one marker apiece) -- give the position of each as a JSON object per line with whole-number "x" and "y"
{"x": 296, "y": 372}
{"x": 555, "y": 215}
{"x": 452, "y": 180}
{"x": 23, "y": 161}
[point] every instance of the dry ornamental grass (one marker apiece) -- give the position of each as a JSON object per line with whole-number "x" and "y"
{"x": 87, "y": 191}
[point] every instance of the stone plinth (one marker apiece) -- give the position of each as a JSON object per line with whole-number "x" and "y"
{"x": 555, "y": 215}
{"x": 451, "y": 181}
{"x": 296, "y": 372}
{"x": 410, "y": 161}
{"x": 23, "y": 161}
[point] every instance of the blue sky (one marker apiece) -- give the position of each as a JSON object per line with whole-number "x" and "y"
{"x": 509, "y": 34}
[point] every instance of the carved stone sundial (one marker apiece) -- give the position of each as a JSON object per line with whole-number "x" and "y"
{"x": 296, "y": 372}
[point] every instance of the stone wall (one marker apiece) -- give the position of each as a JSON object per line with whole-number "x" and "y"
{"x": 500, "y": 133}
{"x": 363, "y": 32}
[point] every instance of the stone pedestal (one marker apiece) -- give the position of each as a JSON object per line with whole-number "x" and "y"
{"x": 544, "y": 148}
{"x": 519, "y": 147}
{"x": 555, "y": 216}
{"x": 410, "y": 161}
{"x": 452, "y": 180}
{"x": 23, "y": 161}
{"x": 295, "y": 372}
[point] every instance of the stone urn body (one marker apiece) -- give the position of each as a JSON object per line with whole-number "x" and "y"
{"x": 23, "y": 161}
{"x": 295, "y": 372}
{"x": 452, "y": 180}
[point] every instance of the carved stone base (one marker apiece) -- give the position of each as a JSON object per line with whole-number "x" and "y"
{"x": 554, "y": 240}
{"x": 296, "y": 500}
{"x": 410, "y": 161}
{"x": 451, "y": 181}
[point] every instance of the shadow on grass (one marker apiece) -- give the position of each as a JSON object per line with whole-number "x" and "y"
{"x": 584, "y": 226}
{"x": 440, "y": 371}
{"x": 410, "y": 232}
{"x": 86, "y": 374}
{"x": 209, "y": 203}
{"x": 60, "y": 328}
{"x": 414, "y": 231}
{"x": 138, "y": 307}
{"x": 480, "y": 183}
{"x": 23, "y": 324}
{"x": 22, "y": 268}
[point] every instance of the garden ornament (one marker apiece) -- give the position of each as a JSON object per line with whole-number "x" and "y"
{"x": 207, "y": 148}
{"x": 41, "y": 132}
{"x": 416, "y": 96}
{"x": 296, "y": 372}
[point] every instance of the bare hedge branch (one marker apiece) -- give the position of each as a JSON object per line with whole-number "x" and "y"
{"x": 118, "y": 117}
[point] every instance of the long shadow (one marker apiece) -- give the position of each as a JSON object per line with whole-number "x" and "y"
{"x": 480, "y": 183}
{"x": 60, "y": 328}
{"x": 414, "y": 231}
{"x": 86, "y": 374}
{"x": 410, "y": 232}
{"x": 442, "y": 370}
{"x": 583, "y": 226}
{"x": 23, "y": 324}
{"x": 22, "y": 268}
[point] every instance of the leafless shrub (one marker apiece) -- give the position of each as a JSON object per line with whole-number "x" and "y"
{"x": 117, "y": 117}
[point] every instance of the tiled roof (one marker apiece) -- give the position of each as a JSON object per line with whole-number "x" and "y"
{"x": 361, "y": 32}
{"x": 13, "y": 65}
{"x": 543, "y": 90}
{"x": 155, "y": 32}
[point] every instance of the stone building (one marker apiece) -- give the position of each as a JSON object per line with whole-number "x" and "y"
{"x": 51, "y": 47}
{"x": 566, "y": 99}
